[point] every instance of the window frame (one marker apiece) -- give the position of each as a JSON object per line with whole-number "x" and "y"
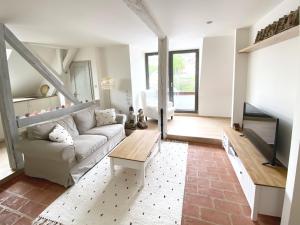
{"x": 171, "y": 94}
{"x": 147, "y": 67}
{"x": 171, "y": 97}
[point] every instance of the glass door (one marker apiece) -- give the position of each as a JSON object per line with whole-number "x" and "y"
{"x": 184, "y": 77}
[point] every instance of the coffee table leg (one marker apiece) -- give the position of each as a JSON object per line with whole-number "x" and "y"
{"x": 112, "y": 166}
{"x": 159, "y": 144}
{"x": 142, "y": 174}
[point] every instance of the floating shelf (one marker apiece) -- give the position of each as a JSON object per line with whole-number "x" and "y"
{"x": 283, "y": 36}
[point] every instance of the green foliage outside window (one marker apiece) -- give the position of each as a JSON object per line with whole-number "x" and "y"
{"x": 182, "y": 82}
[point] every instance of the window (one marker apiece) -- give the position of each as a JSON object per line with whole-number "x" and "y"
{"x": 183, "y": 78}
{"x": 151, "y": 70}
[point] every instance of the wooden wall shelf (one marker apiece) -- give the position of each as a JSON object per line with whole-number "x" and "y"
{"x": 283, "y": 36}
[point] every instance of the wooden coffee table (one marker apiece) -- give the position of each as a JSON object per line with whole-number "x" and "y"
{"x": 136, "y": 151}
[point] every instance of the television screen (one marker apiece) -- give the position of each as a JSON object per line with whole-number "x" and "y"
{"x": 261, "y": 129}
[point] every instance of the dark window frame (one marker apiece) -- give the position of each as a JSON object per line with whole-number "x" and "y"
{"x": 196, "y": 51}
{"x": 171, "y": 94}
{"x": 147, "y": 67}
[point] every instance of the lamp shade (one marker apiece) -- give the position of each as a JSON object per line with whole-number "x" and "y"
{"x": 107, "y": 83}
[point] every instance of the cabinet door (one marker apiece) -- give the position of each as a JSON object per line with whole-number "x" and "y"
{"x": 225, "y": 142}
{"x": 247, "y": 184}
{"x": 233, "y": 160}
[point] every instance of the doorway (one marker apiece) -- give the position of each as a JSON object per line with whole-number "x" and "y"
{"x": 183, "y": 80}
{"x": 82, "y": 80}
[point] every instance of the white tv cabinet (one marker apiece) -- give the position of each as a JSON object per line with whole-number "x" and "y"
{"x": 263, "y": 186}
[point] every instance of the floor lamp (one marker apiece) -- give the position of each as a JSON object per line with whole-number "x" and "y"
{"x": 107, "y": 84}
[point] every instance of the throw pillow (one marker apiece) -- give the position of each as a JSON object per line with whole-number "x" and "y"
{"x": 61, "y": 135}
{"x": 105, "y": 117}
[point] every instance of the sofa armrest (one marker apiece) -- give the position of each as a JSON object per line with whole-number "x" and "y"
{"x": 121, "y": 118}
{"x": 42, "y": 149}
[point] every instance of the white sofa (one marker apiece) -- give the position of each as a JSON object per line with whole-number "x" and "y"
{"x": 150, "y": 105}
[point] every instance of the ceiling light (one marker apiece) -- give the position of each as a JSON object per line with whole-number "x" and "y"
{"x": 209, "y": 22}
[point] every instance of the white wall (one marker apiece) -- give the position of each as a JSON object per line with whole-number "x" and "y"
{"x": 273, "y": 85}
{"x": 125, "y": 65}
{"x": 25, "y": 80}
{"x": 240, "y": 72}
{"x": 138, "y": 75}
{"x": 272, "y": 78}
{"x": 22, "y": 73}
{"x": 1, "y": 130}
{"x": 216, "y": 69}
{"x": 116, "y": 64}
{"x": 291, "y": 206}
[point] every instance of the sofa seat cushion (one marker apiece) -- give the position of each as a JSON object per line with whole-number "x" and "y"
{"x": 108, "y": 131}
{"x": 85, "y": 145}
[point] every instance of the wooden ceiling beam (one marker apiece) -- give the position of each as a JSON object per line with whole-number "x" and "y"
{"x": 142, "y": 11}
{"x": 7, "y": 108}
{"x": 27, "y": 121}
{"x": 49, "y": 75}
{"x": 71, "y": 53}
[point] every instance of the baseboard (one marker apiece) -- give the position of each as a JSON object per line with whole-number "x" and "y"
{"x": 212, "y": 141}
{"x": 187, "y": 114}
{"x": 11, "y": 176}
{"x": 203, "y": 116}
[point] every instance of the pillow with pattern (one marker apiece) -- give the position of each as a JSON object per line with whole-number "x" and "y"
{"x": 61, "y": 135}
{"x": 105, "y": 117}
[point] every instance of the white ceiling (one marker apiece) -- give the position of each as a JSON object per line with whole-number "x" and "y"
{"x": 107, "y": 22}
{"x": 185, "y": 21}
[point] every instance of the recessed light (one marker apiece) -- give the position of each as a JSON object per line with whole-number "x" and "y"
{"x": 209, "y": 22}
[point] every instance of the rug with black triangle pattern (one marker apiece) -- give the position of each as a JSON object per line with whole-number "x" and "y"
{"x": 101, "y": 199}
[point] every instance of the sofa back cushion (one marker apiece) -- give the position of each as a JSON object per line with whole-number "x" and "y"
{"x": 85, "y": 119}
{"x": 40, "y": 131}
{"x": 68, "y": 123}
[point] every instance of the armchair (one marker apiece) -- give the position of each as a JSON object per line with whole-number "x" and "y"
{"x": 150, "y": 105}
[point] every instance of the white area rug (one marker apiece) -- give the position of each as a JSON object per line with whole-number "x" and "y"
{"x": 100, "y": 199}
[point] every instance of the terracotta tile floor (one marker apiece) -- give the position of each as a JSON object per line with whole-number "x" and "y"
{"x": 23, "y": 199}
{"x": 212, "y": 194}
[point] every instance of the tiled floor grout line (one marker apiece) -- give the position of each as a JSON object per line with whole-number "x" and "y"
{"x": 23, "y": 196}
{"x": 16, "y": 211}
{"x": 209, "y": 181}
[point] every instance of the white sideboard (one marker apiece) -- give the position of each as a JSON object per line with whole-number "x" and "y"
{"x": 263, "y": 186}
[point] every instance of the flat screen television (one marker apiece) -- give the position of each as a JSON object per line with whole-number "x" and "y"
{"x": 262, "y": 130}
